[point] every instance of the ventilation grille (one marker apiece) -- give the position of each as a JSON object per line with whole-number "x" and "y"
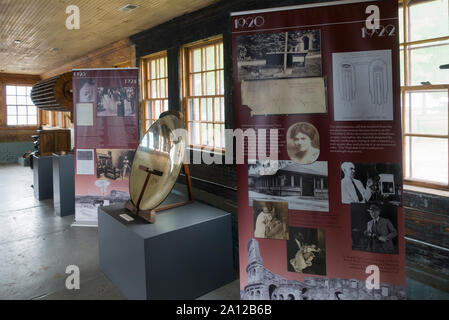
{"x": 128, "y": 8}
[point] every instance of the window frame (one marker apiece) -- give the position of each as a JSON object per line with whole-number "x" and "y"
{"x": 186, "y": 92}
{"x": 5, "y": 103}
{"x": 404, "y": 48}
{"x": 145, "y": 65}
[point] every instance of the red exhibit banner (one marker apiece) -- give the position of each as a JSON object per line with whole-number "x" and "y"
{"x": 323, "y": 217}
{"x": 106, "y": 137}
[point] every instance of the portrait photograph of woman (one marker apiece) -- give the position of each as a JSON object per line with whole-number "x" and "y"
{"x": 303, "y": 143}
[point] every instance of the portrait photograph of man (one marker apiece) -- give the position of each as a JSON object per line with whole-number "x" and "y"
{"x": 374, "y": 228}
{"x": 364, "y": 182}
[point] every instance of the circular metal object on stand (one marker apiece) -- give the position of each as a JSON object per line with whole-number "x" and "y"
{"x": 157, "y": 162}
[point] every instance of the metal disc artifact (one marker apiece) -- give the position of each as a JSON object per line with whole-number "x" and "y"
{"x": 156, "y": 166}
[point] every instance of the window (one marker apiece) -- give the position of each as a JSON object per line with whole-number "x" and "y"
{"x": 155, "y": 86}
{"x": 424, "y": 37}
{"x": 204, "y": 94}
{"x": 20, "y": 110}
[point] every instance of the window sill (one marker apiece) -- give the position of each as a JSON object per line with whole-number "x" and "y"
{"x": 431, "y": 191}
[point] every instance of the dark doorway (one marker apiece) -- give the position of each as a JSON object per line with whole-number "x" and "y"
{"x": 306, "y": 41}
{"x": 308, "y": 188}
{"x": 271, "y": 289}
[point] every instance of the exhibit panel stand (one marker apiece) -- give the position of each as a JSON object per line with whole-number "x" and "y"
{"x": 43, "y": 177}
{"x": 64, "y": 184}
{"x": 185, "y": 254}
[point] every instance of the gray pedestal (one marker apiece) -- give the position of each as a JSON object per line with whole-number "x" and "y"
{"x": 43, "y": 177}
{"x": 185, "y": 254}
{"x": 64, "y": 184}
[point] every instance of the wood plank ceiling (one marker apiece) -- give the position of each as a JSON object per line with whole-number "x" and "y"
{"x": 39, "y": 25}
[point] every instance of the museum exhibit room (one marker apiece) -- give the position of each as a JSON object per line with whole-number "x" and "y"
{"x": 224, "y": 150}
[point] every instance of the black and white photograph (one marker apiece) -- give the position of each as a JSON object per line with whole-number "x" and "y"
{"x": 271, "y": 220}
{"x": 85, "y": 161}
{"x": 374, "y": 227}
{"x": 304, "y": 187}
{"x": 306, "y": 251}
{"x": 264, "y": 167}
{"x": 263, "y": 284}
{"x": 363, "y": 182}
{"x": 115, "y": 163}
{"x": 292, "y": 54}
{"x": 303, "y": 143}
{"x": 116, "y": 102}
{"x": 87, "y": 90}
{"x": 87, "y": 205}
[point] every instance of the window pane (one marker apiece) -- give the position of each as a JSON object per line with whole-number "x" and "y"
{"x": 21, "y": 100}
{"x": 153, "y": 89}
{"x": 11, "y": 90}
{"x": 32, "y": 110}
{"x": 29, "y": 101}
{"x": 430, "y": 166}
{"x": 29, "y": 91}
{"x": 196, "y": 85}
{"x": 204, "y": 134}
{"x": 425, "y": 62}
{"x": 22, "y": 91}
{"x": 163, "y": 93}
{"x": 21, "y": 120}
{"x": 157, "y": 109}
{"x": 407, "y": 157}
{"x": 153, "y": 69}
{"x": 11, "y": 100}
{"x": 203, "y": 110}
{"x": 210, "y": 134}
{"x": 210, "y": 113}
{"x": 401, "y": 24}
{"x": 210, "y": 81}
{"x": 194, "y": 110}
{"x": 162, "y": 64}
{"x": 149, "y": 110}
{"x": 32, "y": 120}
{"x": 219, "y": 134}
{"x": 12, "y": 110}
{"x": 12, "y": 120}
{"x": 428, "y": 19}
{"x": 165, "y": 105}
{"x": 221, "y": 83}
{"x": 407, "y": 111}
{"x": 429, "y": 112}
{"x": 194, "y": 129}
{"x": 210, "y": 58}
{"x": 22, "y": 110}
{"x": 196, "y": 60}
{"x": 217, "y": 106}
{"x": 220, "y": 56}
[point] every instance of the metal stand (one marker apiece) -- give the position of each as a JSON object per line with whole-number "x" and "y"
{"x": 150, "y": 215}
